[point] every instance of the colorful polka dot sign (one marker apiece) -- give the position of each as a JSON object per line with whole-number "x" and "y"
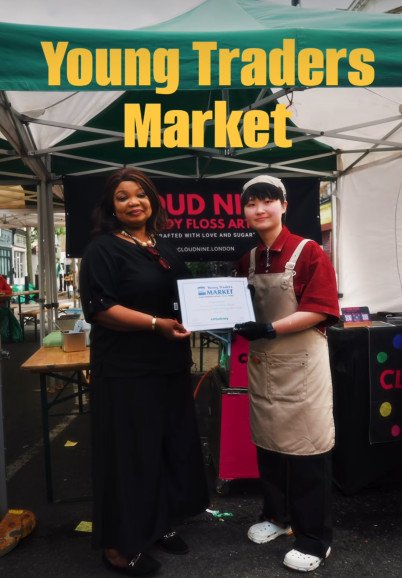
{"x": 385, "y": 385}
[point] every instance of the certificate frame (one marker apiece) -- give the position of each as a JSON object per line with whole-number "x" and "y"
{"x": 211, "y": 303}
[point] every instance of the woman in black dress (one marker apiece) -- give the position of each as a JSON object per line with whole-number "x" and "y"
{"x": 147, "y": 464}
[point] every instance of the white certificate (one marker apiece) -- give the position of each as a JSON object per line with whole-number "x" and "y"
{"x": 214, "y": 303}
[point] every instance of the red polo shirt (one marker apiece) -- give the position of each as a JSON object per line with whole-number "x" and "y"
{"x": 314, "y": 283}
{"x": 5, "y": 287}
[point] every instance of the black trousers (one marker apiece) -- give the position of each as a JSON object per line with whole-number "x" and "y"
{"x": 298, "y": 492}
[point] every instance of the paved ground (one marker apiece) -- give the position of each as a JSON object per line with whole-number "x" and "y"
{"x": 368, "y": 525}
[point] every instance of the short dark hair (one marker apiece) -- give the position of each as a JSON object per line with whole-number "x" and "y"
{"x": 103, "y": 216}
{"x": 261, "y": 191}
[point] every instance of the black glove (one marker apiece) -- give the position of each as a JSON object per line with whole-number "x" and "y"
{"x": 253, "y": 330}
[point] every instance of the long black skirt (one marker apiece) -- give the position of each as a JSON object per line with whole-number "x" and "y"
{"x": 148, "y": 472}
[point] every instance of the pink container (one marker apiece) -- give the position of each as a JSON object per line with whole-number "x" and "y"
{"x": 237, "y": 455}
{"x": 238, "y": 362}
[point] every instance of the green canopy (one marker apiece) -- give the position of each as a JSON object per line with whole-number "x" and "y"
{"x": 232, "y": 24}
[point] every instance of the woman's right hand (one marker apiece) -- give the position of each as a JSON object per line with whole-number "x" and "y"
{"x": 171, "y": 328}
{"x": 119, "y": 318}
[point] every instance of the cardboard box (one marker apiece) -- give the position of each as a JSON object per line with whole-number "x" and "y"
{"x": 73, "y": 341}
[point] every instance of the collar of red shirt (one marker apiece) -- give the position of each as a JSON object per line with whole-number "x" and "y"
{"x": 279, "y": 242}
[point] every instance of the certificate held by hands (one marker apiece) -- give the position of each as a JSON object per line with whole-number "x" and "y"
{"x": 214, "y": 303}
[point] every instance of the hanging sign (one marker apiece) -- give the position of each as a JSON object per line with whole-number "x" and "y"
{"x": 205, "y": 218}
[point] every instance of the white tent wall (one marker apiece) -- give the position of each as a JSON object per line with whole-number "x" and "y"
{"x": 369, "y": 226}
{"x": 334, "y": 111}
{"x": 370, "y": 236}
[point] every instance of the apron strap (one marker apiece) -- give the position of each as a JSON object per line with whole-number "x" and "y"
{"x": 290, "y": 265}
{"x": 251, "y": 267}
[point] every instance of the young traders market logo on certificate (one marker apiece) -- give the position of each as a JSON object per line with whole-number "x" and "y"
{"x": 215, "y": 290}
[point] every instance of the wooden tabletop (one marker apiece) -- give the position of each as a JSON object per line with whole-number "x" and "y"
{"x": 31, "y": 292}
{"x": 55, "y": 359}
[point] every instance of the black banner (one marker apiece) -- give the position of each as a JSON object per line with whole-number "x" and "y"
{"x": 205, "y": 217}
{"x": 385, "y": 355}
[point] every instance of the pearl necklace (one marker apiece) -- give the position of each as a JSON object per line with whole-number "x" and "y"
{"x": 150, "y": 243}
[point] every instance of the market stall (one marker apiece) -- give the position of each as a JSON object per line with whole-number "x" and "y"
{"x": 54, "y": 129}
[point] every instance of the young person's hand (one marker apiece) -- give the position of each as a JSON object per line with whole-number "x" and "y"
{"x": 252, "y": 330}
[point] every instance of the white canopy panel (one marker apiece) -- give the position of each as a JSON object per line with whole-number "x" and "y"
{"x": 76, "y": 108}
{"x": 28, "y": 217}
{"x": 370, "y": 236}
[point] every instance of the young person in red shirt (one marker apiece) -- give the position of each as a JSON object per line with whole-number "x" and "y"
{"x": 5, "y": 291}
{"x": 295, "y": 296}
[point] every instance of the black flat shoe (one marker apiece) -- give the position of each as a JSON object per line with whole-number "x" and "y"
{"x": 172, "y": 543}
{"x": 140, "y": 565}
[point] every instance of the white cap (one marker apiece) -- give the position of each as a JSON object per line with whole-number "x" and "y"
{"x": 266, "y": 179}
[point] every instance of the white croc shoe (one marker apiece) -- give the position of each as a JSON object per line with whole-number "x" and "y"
{"x": 303, "y": 562}
{"x": 267, "y": 531}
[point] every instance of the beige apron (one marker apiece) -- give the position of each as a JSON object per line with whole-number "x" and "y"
{"x": 289, "y": 377}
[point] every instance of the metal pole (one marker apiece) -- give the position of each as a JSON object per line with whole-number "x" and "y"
{"x": 41, "y": 256}
{"x": 51, "y": 251}
{"x": 47, "y": 255}
{"x": 3, "y": 476}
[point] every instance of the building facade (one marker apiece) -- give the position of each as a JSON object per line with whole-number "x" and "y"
{"x": 13, "y": 260}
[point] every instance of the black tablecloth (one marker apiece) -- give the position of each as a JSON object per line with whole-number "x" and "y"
{"x": 357, "y": 464}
